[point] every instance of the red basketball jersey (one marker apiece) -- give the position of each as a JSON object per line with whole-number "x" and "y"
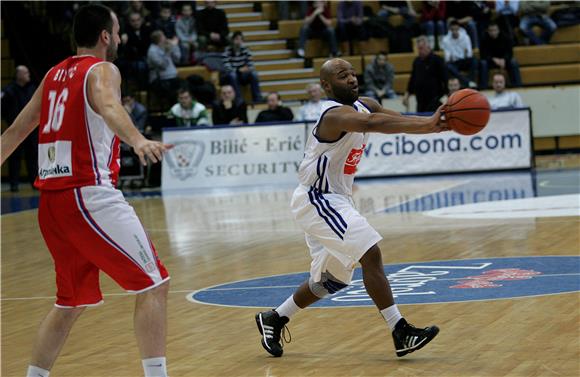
{"x": 75, "y": 146}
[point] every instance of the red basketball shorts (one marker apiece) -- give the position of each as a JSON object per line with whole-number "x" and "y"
{"x": 93, "y": 228}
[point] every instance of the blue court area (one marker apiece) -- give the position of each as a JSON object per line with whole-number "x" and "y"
{"x": 419, "y": 283}
{"x": 470, "y": 188}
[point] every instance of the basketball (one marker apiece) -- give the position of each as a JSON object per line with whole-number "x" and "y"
{"x": 467, "y": 111}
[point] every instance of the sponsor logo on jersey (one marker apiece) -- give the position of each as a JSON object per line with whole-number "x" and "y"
{"x": 184, "y": 158}
{"x": 418, "y": 283}
{"x": 55, "y": 159}
{"x": 352, "y": 160}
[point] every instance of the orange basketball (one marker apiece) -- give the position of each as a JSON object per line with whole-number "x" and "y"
{"x": 467, "y": 111}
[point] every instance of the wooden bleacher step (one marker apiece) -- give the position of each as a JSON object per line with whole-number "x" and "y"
{"x": 278, "y": 85}
{"x": 249, "y": 26}
{"x": 271, "y": 55}
{"x": 280, "y": 74}
{"x": 245, "y": 17}
{"x": 278, "y": 44}
{"x": 261, "y": 35}
{"x": 292, "y": 63}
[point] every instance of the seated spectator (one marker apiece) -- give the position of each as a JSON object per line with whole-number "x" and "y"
{"x": 161, "y": 57}
{"x": 212, "y": 28}
{"x": 166, "y": 21}
{"x": 433, "y": 15}
{"x": 239, "y": 67}
{"x": 428, "y": 79}
{"x": 137, "y": 6}
{"x": 403, "y": 8}
{"x": 503, "y": 99}
{"x": 453, "y": 85}
{"x": 459, "y": 55}
{"x": 186, "y": 31}
{"x": 318, "y": 24}
{"x": 284, "y": 10}
{"x": 497, "y": 52}
{"x": 350, "y": 23}
{"x": 465, "y": 13}
{"x": 229, "y": 109}
{"x": 312, "y": 109}
{"x": 535, "y": 13}
{"x": 507, "y": 17}
{"x": 399, "y": 36}
{"x": 379, "y": 77}
{"x": 275, "y": 112}
{"x": 188, "y": 112}
{"x": 135, "y": 42}
{"x": 137, "y": 112}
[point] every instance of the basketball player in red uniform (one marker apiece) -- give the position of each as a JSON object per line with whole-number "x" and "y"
{"x": 86, "y": 223}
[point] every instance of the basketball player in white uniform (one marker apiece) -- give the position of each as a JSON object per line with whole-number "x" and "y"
{"x": 337, "y": 235}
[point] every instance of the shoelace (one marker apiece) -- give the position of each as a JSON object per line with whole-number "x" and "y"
{"x": 283, "y": 339}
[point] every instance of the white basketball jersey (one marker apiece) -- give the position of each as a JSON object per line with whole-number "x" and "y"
{"x": 329, "y": 167}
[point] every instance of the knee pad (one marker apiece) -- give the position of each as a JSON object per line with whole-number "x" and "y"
{"x": 326, "y": 286}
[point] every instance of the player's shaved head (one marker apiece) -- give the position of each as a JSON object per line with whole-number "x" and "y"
{"x": 338, "y": 79}
{"x": 333, "y": 66}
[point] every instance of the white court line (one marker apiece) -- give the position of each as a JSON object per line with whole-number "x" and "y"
{"x": 255, "y": 288}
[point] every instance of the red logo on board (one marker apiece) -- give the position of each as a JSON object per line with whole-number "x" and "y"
{"x": 352, "y": 160}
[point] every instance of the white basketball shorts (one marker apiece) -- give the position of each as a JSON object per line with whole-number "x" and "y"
{"x": 336, "y": 233}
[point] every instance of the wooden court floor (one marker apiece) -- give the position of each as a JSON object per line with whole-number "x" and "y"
{"x": 213, "y": 238}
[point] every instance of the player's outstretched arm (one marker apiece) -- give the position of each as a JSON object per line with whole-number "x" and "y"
{"x": 346, "y": 119}
{"x": 104, "y": 94}
{"x": 23, "y": 125}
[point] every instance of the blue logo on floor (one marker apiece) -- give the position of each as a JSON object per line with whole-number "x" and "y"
{"x": 418, "y": 283}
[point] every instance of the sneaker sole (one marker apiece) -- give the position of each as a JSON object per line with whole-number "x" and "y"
{"x": 435, "y": 331}
{"x": 260, "y": 328}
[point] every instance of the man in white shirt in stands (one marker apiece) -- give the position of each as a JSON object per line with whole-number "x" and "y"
{"x": 311, "y": 109}
{"x": 459, "y": 55}
{"x": 503, "y": 99}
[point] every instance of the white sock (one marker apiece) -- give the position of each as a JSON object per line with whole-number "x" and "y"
{"x": 288, "y": 308}
{"x": 391, "y": 315}
{"x": 155, "y": 367}
{"x": 36, "y": 372}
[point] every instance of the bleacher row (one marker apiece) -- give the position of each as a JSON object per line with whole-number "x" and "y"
{"x": 279, "y": 69}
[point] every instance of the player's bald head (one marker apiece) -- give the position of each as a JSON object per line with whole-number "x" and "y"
{"x": 332, "y": 67}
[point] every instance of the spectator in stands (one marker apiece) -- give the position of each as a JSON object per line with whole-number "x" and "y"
{"x": 503, "y": 99}
{"x": 350, "y": 23}
{"x": 187, "y": 112}
{"x": 433, "y": 15}
{"x": 318, "y": 24}
{"x": 136, "y": 6}
{"x": 428, "y": 78}
{"x": 399, "y": 36}
{"x": 229, "y": 109}
{"x": 497, "y": 52}
{"x": 507, "y": 17}
{"x": 166, "y": 21}
{"x": 379, "y": 77}
{"x": 137, "y": 111}
{"x": 453, "y": 85}
{"x": 284, "y": 9}
{"x": 162, "y": 56}
{"x": 186, "y": 30}
{"x": 403, "y": 8}
{"x": 212, "y": 28}
{"x": 15, "y": 96}
{"x": 239, "y": 67}
{"x": 459, "y": 55}
{"x": 535, "y": 13}
{"x": 275, "y": 112}
{"x": 133, "y": 50}
{"x": 465, "y": 13}
{"x": 312, "y": 109}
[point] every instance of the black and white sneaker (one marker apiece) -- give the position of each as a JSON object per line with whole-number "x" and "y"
{"x": 272, "y": 327}
{"x": 408, "y": 338}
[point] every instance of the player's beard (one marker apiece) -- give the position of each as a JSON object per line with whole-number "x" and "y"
{"x": 111, "y": 53}
{"x": 345, "y": 94}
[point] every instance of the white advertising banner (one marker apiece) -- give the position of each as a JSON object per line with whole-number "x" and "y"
{"x": 505, "y": 143}
{"x": 232, "y": 156}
